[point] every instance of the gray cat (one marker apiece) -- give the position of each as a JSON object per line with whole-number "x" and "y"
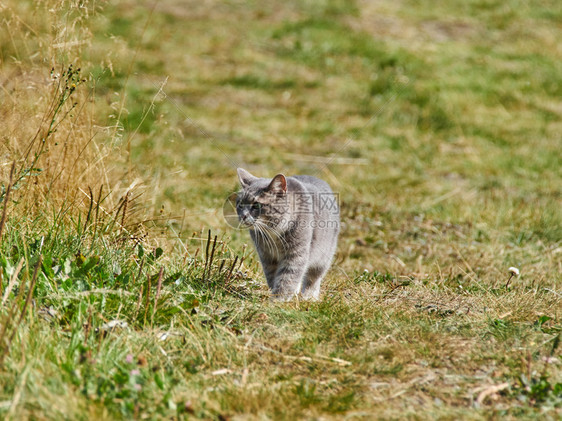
{"x": 294, "y": 224}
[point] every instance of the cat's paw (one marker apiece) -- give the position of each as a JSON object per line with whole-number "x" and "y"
{"x": 283, "y": 297}
{"x": 310, "y": 296}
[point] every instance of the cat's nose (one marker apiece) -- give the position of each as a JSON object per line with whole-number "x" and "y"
{"x": 246, "y": 218}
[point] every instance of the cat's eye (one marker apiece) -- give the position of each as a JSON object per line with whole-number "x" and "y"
{"x": 257, "y": 206}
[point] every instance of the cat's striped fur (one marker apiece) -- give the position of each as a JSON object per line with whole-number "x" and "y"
{"x": 294, "y": 224}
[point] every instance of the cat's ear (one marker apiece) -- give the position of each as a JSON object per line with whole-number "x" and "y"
{"x": 245, "y": 177}
{"x": 278, "y": 184}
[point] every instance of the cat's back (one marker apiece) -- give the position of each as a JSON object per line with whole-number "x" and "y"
{"x": 313, "y": 184}
{"x": 323, "y": 199}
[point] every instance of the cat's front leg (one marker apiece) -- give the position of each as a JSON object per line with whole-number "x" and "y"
{"x": 269, "y": 270}
{"x": 269, "y": 265}
{"x": 288, "y": 278}
{"x": 310, "y": 289}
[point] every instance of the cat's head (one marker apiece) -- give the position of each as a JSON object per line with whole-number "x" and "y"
{"x": 262, "y": 201}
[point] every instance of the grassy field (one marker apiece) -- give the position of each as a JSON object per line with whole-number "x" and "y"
{"x": 125, "y": 294}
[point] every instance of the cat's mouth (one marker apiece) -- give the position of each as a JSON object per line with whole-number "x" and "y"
{"x": 246, "y": 225}
{"x": 246, "y": 221}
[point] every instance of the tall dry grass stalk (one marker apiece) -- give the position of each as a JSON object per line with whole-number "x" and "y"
{"x": 54, "y": 171}
{"x": 47, "y": 101}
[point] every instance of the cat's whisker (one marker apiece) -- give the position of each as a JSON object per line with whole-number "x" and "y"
{"x": 275, "y": 238}
{"x": 271, "y": 243}
{"x": 260, "y": 234}
{"x": 277, "y": 235}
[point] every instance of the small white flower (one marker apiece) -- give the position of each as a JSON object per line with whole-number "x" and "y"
{"x": 513, "y": 271}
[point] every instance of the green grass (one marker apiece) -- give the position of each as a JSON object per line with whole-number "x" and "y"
{"x": 439, "y": 127}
